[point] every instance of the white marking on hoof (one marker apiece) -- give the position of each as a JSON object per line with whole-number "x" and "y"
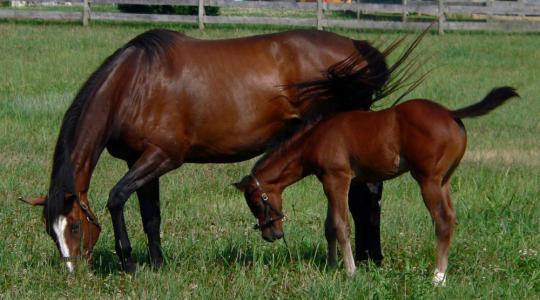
{"x": 351, "y": 271}
{"x": 70, "y": 266}
{"x": 439, "y": 278}
{"x": 59, "y": 228}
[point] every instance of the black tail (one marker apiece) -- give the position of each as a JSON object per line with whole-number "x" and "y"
{"x": 361, "y": 79}
{"x": 494, "y": 99}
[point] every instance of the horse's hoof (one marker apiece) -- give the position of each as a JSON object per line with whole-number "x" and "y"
{"x": 129, "y": 267}
{"x": 156, "y": 263}
{"x": 439, "y": 278}
{"x": 377, "y": 261}
{"x": 156, "y": 258}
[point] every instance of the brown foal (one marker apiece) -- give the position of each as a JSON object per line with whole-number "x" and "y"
{"x": 419, "y": 136}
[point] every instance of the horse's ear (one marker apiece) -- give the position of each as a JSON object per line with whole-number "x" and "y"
{"x": 35, "y": 201}
{"x": 242, "y": 184}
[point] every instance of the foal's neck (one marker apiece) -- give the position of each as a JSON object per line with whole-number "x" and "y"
{"x": 281, "y": 168}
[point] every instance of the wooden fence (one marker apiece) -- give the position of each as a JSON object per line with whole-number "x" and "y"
{"x": 520, "y": 15}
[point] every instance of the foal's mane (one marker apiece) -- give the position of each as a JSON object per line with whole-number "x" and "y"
{"x": 153, "y": 43}
{"x": 280, "y": 147}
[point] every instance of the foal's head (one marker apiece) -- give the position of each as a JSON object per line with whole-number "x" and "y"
{"x": 74, "y": 229}
{"x": 265, "y": 206}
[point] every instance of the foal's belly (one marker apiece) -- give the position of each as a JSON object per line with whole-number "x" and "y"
{"x": 380, "y": 169}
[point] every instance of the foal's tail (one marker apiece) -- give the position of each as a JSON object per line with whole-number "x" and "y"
{"x": 494, "y": 99}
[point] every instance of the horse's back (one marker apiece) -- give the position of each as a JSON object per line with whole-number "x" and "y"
{"x": 217, "y": 100}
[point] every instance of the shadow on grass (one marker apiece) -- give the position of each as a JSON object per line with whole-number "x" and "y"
{"x": 106, "y": 262}
{"x": 249, "y": 255}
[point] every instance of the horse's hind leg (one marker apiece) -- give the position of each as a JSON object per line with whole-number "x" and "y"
{"x": 336, "y": 188}
{"x": 436, "y": 197}
{"x": 150, "y": 165}
{"x": 149, "y": 205}
{"x": 365, "y": 208}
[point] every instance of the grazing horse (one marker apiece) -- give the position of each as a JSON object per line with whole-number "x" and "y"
{"x": 418, "y": 136}
{"x": 165, "y": 99}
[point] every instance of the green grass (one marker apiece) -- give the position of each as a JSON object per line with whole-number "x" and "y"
{"x": 211, "y": 250}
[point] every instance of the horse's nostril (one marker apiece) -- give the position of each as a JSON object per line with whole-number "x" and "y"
{"x": 278, "y": 235}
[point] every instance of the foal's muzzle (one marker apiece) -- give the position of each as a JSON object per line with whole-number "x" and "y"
{"x": 272, "y": 235}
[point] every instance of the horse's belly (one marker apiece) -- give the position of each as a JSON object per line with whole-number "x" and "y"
{"x": 233, "y": 144}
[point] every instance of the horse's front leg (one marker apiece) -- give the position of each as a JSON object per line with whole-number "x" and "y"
{"x": 365, "y": 208}
{"x": 150, "y": 165}
{"x": 336, "y": 187}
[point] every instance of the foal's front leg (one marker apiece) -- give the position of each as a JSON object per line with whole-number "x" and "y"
{"x": 336, "y": 187}
{"x": 330, "y": 234}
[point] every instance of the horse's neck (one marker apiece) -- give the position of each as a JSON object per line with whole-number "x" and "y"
{"x": 90, "y": 138}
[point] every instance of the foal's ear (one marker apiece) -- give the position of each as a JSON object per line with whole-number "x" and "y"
{"x": 242, "y": 184}
{"x": 35, "y": 201}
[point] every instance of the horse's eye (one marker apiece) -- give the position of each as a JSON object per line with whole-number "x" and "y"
{"x": 76, "y": 227}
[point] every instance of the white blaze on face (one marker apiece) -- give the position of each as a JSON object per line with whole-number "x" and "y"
{"x": 59, "y": 228}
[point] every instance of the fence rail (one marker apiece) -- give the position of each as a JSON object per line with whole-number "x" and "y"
{"x": 524, "y": 14}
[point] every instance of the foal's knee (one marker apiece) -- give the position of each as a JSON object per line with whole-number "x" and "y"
{"x": 445, "y": 225}
{"x": 342, "y": 231}
{"x": 329, "y": 230}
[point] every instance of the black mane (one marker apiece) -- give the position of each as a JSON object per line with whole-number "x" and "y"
{"x": 152, "y": 43}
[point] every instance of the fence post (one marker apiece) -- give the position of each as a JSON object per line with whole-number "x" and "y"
{"x": 85, "y": 13}
{"x": 404, "y": 11}
{"x": 520, "y": 7}
{"x": 441, "y": 17}
{"x": 319, "y": 14}
{"x": 201, "y": 14}
{"x": 490, "y": 11}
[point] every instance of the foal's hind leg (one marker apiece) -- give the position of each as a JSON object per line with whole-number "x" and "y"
{"x": 365, "y": 208}
{"x": 437, "y": 200}
{"x": 149, "y": 205}
{"x": 150, "y": 165}
{"x": 336, "y": 188}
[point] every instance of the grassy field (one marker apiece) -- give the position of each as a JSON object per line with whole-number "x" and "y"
{"x": 211, "y": 250}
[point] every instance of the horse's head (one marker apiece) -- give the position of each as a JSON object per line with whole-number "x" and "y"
{"x": 74, "y": 230}
{"x": 265, "y": 206}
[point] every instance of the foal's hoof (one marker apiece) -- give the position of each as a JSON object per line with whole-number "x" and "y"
{"x": 439, "y": 278}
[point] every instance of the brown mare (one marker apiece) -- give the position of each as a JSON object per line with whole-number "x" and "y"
{"x": 418, "y": 136}
{"x": 165, "y": 99}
